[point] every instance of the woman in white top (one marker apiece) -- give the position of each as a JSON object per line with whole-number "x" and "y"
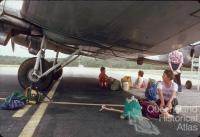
{"x": 167, "y": 90}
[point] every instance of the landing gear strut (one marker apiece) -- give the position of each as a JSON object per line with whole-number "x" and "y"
{"x": 40, "y": 73}
{"x": 57, "y": 73}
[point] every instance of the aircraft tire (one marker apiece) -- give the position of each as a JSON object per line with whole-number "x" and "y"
{"x": 25, "y": 78}
{"x": 188, "y": 84}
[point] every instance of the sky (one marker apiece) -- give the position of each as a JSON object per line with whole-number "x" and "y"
{"x": 21, "y": 51}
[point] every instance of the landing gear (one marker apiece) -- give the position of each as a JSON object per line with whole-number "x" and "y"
{"x": 38, "y": 73}
{"x": 26, "y": 77}
{"x": 57, "y": 74}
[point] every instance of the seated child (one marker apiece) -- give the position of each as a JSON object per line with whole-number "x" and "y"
{"x": 139, "y": 83}
{"x": 103, "y": 78}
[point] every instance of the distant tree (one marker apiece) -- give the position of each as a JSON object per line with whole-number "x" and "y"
{"x": 90, "y": 62}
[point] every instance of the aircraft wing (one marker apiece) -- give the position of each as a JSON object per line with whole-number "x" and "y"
{"x": 189, "y": 52}
{"x": 104, "y": 29}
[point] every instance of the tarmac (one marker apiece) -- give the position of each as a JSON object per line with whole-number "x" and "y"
{"x": 62, "y": 118}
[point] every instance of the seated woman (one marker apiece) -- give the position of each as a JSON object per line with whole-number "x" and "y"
{"x": 103, "y": 78}
{"x": 139, "y": 83}
{"x": 167, "y": 92}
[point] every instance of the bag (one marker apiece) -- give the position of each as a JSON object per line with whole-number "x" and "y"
{"x": 15, "y": 101}
{"x": 151, "y": 90}
{"x": 115, "y": 85}
{"x": 150, "y": 109}
{"x": 15, "y": 104}
{"x": 127, "y": 79}
{"x": 125, "y": 86}
{"x": 132, "y": 109}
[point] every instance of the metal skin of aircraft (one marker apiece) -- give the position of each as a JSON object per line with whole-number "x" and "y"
{"x": 131, "y": 30}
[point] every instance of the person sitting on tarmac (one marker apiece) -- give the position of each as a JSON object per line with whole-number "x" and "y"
{"x": 166, "y": 90}
{"x": 103, "y": 78}
{"x": 139, "y": 83}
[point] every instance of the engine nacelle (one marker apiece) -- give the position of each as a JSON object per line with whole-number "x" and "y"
{"x": 140, "y": 61}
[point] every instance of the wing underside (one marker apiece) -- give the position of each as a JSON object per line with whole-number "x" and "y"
{"x": 106, "y": 29}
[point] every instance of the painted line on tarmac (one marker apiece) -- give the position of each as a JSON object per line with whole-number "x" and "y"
{"x": 2, "y": 98}
{"x": 22, "y": 112}
{"x": 32, "y": 124}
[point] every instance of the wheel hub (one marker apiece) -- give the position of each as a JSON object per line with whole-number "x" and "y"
{"x": 32, "y": 77}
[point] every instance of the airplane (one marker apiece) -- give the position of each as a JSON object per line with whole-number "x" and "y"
{"x": 189, "y": 52}
{"x": 101, "y": 29}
